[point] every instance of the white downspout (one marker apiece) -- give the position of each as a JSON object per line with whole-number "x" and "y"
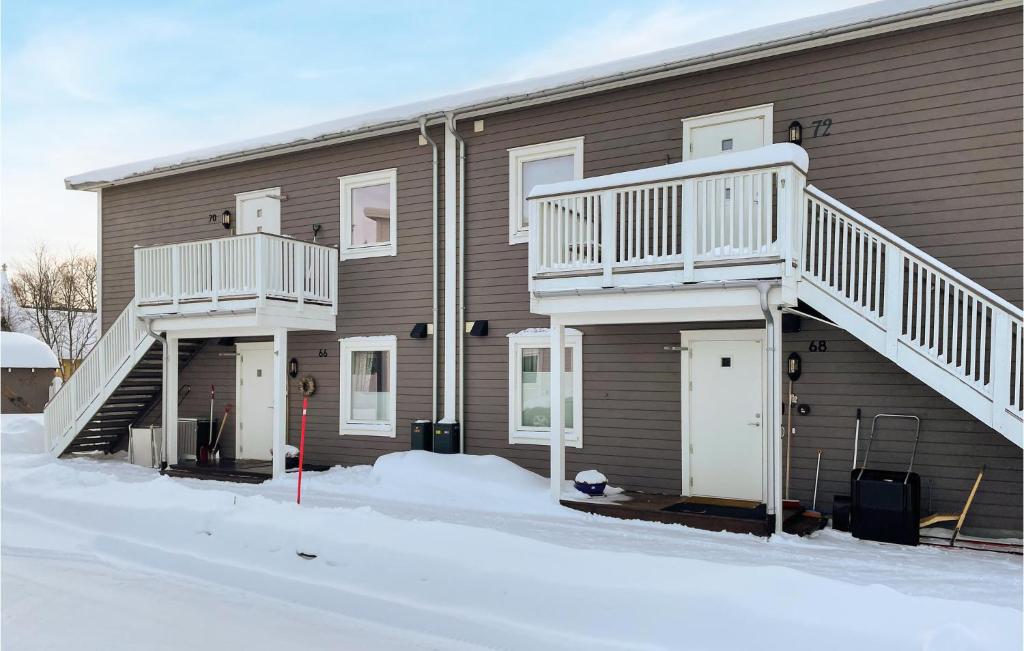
{"x": 450, "y": 268}
{"x": 772, "y": 403}
{"x": 433, "y": 253}
{"x": 462, "y": 288}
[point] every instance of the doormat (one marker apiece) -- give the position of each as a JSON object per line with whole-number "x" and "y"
{"x": 758, "y": 512}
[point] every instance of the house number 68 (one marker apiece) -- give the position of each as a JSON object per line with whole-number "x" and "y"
{"x": 322, "y": 353}
{"x": 819, "y": 346}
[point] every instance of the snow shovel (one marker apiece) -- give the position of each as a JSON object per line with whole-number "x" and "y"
{"x": 220, "y": 430}
{"x": 955, "y": 517}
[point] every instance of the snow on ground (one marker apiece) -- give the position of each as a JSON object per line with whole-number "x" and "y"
{"x": 430, "y": 550}
{"x": 23, "y": 433}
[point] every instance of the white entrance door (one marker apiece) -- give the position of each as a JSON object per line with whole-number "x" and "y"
{"x": 258, "y": 211}
{"x": 721, "y": 133}
{"x": 723, "y": 405}
{"x": 254, "y": 401}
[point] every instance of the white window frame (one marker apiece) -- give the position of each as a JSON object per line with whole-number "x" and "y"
{"x": 349, "y": 345}
{"x": 541, "y": 338}
{"x": 519, "y": 155}
{"x": 763, "y": 111}
{"x": 348, "y": 183}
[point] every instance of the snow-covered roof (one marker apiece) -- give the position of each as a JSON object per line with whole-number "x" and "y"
{"x": 782, "y": 153}
{"x": 749, "y": 44}
{"x": 22, "y": 351}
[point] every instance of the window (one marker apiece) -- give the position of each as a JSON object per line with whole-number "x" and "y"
{"x": 529, "y": 413}
{"x": 368, "y": 374}
{"x": 369, "y": 220}
{"x": 533, "y": 165}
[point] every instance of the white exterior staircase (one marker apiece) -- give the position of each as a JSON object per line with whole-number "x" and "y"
{"x": 951, "y": 333}
{"x": 249, "y": 284}
{"x": 663, "y": 232}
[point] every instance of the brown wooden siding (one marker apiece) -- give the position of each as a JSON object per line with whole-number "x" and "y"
{"x": 926, "y": 139}
{"x": 379, "y": 296}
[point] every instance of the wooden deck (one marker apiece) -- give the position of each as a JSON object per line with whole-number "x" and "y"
{"x": 244, "y": 471}
{"x": 652, "y": 508}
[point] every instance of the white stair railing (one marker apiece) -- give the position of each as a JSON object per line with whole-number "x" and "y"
{"x": 99, "y": 373}
{"x": 911, "y": 302}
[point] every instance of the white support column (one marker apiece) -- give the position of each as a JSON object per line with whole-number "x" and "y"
{"x": 170, "y": 399}
{"x": 451, "y": 158}
{"x": 280, "y": 399}
{"x": 557, "y": 419}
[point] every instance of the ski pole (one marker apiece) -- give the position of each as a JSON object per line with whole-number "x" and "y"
{"x": 302, "y": 447}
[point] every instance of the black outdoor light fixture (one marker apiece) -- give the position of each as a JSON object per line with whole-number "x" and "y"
{"x": 316, "y": 231}
{"x": 225, "y": 219}
{"x": 293, "y": 367}
{"x": 419, "y": 331}
{"x": 796, "y": 132}
{"x": 477, "y": 328}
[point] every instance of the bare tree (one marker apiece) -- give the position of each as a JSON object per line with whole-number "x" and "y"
{"x": 12, "y": 317}
{"x": 58, "y": 295}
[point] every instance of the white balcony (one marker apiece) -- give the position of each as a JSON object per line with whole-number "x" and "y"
{"x": 723, "y": 219}
{"x": 248, "y": 282}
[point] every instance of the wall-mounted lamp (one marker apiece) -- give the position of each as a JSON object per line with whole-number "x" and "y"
{"x": 476, "y": 328}
{"x": 794, "y": 367}
{"x": 293, "y": 367}
{"x": 316, "y": 231}
{"x": 796, "y": 132}
{"x": 225, "y": 219}
{"x": 420, "y": 331}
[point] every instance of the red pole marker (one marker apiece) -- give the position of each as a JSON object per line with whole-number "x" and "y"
{"x": 302, "y": 447}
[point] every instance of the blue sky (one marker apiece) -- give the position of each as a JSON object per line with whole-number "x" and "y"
{"x": 89, "y": 85}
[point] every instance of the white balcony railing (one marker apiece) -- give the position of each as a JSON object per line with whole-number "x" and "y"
{"x": 226, "y": 273}
{"x": 727, "y": 210}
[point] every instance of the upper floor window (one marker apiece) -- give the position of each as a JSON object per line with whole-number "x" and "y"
{"x": 532, "y": 165}
{"x": 369, "y": 219}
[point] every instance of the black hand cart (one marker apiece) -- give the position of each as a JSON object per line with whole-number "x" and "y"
{"x": 886, "y": 504}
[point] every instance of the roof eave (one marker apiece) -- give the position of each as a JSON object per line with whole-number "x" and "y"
{"x": 818, "y": 38}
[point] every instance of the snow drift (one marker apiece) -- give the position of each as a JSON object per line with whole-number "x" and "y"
{"x": 22, "y": 433}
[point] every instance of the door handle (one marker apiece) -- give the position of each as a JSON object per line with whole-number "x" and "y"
{"x": 754, "y": 424}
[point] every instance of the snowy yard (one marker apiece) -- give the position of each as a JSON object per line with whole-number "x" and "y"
{"x": 431, "y": 552}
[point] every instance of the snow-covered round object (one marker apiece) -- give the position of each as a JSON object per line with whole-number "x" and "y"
{"x": 590, "y": 477}
{"x": 22, "y": 351}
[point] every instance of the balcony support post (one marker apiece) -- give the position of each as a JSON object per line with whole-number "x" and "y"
{"x": 557, "y": 442}
{"x": 280, "y": 400}
{"x": 170, "y": 399}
